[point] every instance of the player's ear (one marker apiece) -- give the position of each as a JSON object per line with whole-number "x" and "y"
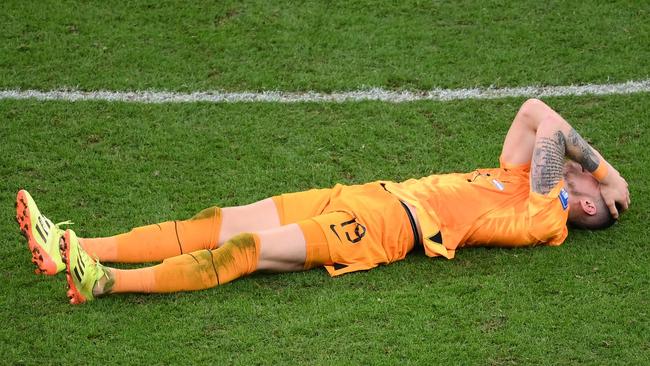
{"x": 588, "y": 206}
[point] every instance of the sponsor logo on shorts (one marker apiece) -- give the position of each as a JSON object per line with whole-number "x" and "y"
{"x": 498, "y": 184}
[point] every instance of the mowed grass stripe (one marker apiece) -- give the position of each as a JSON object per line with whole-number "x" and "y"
{"x": 375, "y": 94}
{"x": 112, "y": 166}
{"x": 316, "y": 45}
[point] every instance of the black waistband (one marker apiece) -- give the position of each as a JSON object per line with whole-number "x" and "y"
{"x": 414, "y": 227}
{"x": 416, "y": 236}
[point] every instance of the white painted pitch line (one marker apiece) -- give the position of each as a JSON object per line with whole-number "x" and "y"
{"x": 378, "y": 94}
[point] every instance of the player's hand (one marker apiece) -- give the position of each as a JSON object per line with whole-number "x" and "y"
{"x": 614, "y": 190}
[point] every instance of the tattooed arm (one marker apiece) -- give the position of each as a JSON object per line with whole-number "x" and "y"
{"x": 547, "y": 166}
{"x": 540, "y": 136}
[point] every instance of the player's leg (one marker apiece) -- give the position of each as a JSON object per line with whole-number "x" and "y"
{"x": 157, "y": 241}
{"x": 256, "y": 217}
{"x": 148, "y": 243}
{"x": 280, "y": 249}
{"x": 206, "y": 230}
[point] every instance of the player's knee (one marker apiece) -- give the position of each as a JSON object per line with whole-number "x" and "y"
{"x": 242, "y": 241}
{"x": 245, "y": 247}
{"x": 197, "y": 266}
{"x": 210, "y": 212}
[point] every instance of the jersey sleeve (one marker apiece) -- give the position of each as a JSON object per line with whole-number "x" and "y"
{"x": 548, "y": 214}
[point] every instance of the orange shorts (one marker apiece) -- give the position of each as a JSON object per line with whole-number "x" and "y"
{"x": 362, "y": 226}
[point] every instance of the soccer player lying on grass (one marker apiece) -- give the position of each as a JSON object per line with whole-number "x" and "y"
{"x": 527, "y": 201}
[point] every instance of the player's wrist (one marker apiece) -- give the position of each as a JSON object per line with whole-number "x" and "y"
{"x": 602, "y": 172}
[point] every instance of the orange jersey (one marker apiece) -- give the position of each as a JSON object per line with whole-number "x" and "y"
{"x": 486, "y": 207}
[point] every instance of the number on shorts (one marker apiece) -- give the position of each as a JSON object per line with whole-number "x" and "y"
{"x": 358, "y": 232}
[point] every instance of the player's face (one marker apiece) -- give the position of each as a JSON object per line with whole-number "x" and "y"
{"x": 580, "y": 181}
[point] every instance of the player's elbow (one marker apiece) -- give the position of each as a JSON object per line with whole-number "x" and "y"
{"x": 540, "y": 114}
{"x": 532, "y": 102}
{"x": 531, "y": 113}
{"x": 533, "y": 108}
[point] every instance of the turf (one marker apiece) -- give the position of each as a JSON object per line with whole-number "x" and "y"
{"x": 112, "y": 166}
{"x": 109, "y": 167}
{"x": 317, "y": 45}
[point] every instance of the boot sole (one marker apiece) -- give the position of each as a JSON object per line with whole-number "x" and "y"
{"x": 41, "y": 259}
{"x": 73, "y": 293}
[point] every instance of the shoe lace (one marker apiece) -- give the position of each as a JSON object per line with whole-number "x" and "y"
{"x": 67, "y": 222}
{"x": 54, "y": 235}
{"x": 104, "y": 273}
{"x": 101, "y": 267}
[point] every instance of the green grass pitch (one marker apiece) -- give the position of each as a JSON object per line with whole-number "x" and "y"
{"x": 112, "y": 166}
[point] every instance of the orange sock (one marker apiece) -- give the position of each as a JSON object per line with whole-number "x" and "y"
{"x": 198, "y": 270}
{"x": 132, "y": 280}
{"x": 159, "y": 241}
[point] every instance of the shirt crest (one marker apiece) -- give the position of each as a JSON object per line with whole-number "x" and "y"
{"x": 564, "y": 198}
